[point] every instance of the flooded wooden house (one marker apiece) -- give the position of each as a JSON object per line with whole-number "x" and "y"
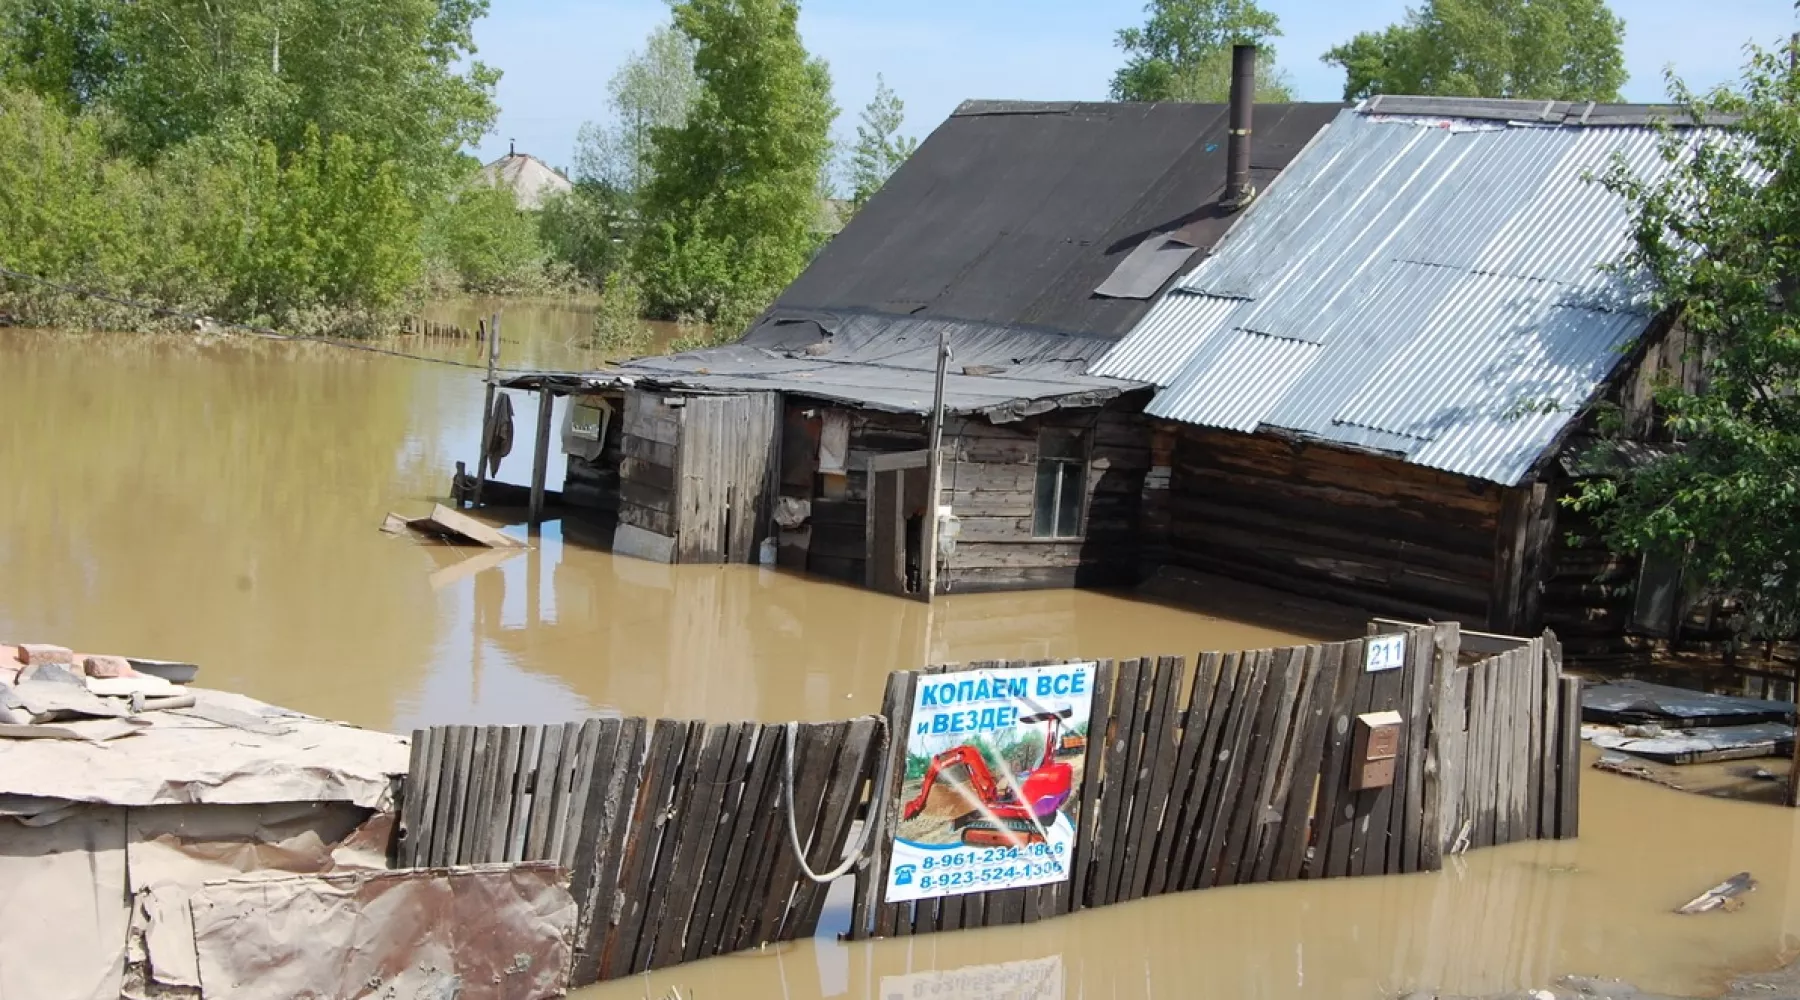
{"x": 1383, "y": 380}
{"x": 1026, "y": 238}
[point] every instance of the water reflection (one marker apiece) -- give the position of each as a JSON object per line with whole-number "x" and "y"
{"x": 1494, "y": 921}
{"x": 218, "y": 501}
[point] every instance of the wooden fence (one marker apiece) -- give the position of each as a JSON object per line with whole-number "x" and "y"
{"x": 1236, "y": 770}
{"x": 674, "y": 833}
{"x": 1239, "y": 770}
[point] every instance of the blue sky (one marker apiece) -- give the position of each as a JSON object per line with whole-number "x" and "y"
{"x": 557, "y": 55}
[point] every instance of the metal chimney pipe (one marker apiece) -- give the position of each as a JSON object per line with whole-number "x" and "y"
{"x": 1238, "y": 191}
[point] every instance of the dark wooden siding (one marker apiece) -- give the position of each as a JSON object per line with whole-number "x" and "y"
{"x": 990, "y": 485}
{"x": 650, "y": 434}
{"x": 1357, "y": 529}
{"x": 992, "y": 489}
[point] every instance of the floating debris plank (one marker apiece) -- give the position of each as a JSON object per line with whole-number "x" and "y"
{"x": 1641, "y": 701}
{"x": 1724, "y": 895}
{"x": 1702, "y": 745}
{"x": 452, "y": 526}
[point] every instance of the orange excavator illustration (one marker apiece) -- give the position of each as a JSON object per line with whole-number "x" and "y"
{"x": 1008, "y": 815}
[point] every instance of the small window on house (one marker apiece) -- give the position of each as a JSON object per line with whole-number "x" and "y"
{"x": 1061, "y": 483}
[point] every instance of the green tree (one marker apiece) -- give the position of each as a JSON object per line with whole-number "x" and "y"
{"x": 1718, "y": 233}
{"x": 1183, "y": 52}
{"x": 582, "y": 228}
{"x": 652, "y": 91}
{"x": 482, "y": 242}
{"x": 395, "y": 76}
{"x": 728, "y": 210}
{"x": 880, "y": 148}
{"x": 1568, "y": 50}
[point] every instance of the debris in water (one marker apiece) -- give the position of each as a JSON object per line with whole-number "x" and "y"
{"x": 1722, "y": 896}
{"x": 1630, "y": 767}
{"x": 448, "y": 525}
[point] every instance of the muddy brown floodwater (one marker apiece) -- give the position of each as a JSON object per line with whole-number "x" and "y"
{"x": 219, "y": 501}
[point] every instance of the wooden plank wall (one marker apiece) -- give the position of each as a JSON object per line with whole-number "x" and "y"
{"x": 650, "y": 436}
{"x": 1237, "y": 769}
{"x": 992, "y": 488}
{"x": 726, "y": 476}
{"x": 1356, "y": 529}
{"x": 674, "y": 833}
{"x": 1518, "y": 776}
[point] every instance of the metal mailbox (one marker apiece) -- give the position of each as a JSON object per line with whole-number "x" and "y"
{"x": 1376, "y": 750}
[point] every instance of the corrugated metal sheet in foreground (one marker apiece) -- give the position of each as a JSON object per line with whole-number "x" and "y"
{"x": 1427, "y": 286}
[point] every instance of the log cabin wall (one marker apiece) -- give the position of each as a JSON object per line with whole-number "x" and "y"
{"x": 650, "y": 436}
{"x": 1346, "y": 527}
{"x": 991, "y": 488}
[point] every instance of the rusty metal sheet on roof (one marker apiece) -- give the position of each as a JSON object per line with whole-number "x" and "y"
{"x": 1453, "y": 276}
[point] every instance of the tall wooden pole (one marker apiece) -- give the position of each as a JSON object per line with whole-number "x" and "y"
{"x": 487, "y": 405}
{"x": 934, "y": 475}
{"x": 540, "y": 457}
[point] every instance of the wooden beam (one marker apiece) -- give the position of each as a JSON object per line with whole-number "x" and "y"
{"x": 540, "y": 457}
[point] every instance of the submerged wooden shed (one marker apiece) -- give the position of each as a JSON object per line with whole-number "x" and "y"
{"x": 1025, "y": 237}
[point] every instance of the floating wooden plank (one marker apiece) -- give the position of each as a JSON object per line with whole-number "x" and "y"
{"x": 1155, "y": 774}
{"x": 1192, "y": 726}
{"x": 1635, "y": 701}
{"x": 445, "y": 523}
{"x": 1084, "y": 862}
{"x": 1721, "y": 896}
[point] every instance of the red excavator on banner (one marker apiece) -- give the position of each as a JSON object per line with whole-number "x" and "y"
{"x": 1008, "y": 816}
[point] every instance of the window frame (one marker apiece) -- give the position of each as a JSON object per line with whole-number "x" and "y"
{"x": 1083, "y": 441}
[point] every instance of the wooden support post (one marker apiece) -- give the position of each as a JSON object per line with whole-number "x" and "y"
{"x": 934, "y": 475}
{"x": 487, "y": 407}
{"x": 540, "y": 457}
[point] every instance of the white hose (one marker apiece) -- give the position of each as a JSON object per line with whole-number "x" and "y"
{"x": 877, "y": 799}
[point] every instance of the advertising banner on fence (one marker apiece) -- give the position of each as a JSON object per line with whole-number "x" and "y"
{"x": 994, "y": 762}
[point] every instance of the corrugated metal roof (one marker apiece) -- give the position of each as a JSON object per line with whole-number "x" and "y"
{"x": 881, "y": 362}
{"x": 1443, "y": 276}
